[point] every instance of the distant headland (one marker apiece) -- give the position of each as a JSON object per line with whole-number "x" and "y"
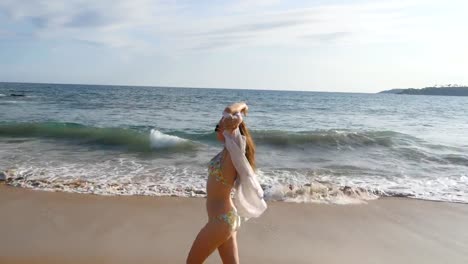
{"x": 447, "y": 90}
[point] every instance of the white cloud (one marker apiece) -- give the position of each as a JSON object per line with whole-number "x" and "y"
{"x": 175, "y": 26}
{"x": 104, "y": 22}
{"x": 305, "y": 26}
{"x": 250, "y": 5}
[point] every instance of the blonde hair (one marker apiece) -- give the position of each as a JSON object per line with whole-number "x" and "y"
{"x": 250, "y": 145}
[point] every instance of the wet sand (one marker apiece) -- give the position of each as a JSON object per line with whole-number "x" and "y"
{"x": 46, "y": 227}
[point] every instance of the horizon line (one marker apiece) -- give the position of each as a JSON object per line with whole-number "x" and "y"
{"x": 187, "y": 87}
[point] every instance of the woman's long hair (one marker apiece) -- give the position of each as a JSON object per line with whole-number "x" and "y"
{"x": 250, "y": 145}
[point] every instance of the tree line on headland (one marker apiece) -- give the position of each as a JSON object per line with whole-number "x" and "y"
{"x": 447, "y": 90}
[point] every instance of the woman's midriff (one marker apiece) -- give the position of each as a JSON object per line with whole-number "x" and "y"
{"x": 218, "y": 198}
{"x": 216, "y": 207}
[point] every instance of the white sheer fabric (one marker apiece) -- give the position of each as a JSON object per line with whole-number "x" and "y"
{"x": 248, "y": 196}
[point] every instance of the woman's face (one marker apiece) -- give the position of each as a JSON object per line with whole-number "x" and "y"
{"x": 219, "y": 131}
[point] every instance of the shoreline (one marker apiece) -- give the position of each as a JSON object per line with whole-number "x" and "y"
{"x": 56, "y": 227}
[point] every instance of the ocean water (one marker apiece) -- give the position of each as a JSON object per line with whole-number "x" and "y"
{"x": 311, "y": 147}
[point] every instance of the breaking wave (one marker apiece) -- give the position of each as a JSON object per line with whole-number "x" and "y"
{"x": 120, "y": 137}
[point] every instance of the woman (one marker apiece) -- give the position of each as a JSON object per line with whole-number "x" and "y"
{"x": 232, "y": 168}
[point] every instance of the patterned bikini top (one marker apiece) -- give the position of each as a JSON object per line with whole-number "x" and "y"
{"x": 214, "y": 169}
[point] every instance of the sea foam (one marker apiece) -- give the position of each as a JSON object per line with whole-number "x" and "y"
{"x": 160, "y": 140}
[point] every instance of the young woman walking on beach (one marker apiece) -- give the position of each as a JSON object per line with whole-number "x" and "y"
{"x": 232, "y": 168}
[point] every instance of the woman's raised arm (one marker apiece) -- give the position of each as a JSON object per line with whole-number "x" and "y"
{"x": 240, "y": 107}
{"x": 233, "y": 120}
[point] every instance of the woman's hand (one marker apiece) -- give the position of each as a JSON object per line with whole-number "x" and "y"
{"x": 240, "y": 107}
{"x": 232, "y": 122}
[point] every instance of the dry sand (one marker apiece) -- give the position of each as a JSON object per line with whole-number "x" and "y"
{"x": 45, "y": 227}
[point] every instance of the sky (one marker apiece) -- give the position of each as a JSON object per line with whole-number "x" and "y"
{"x": 315, "y": 45}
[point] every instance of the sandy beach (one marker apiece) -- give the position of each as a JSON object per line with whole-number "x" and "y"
{"x": 46, "y": 227}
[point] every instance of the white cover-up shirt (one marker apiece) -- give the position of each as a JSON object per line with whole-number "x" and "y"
{"x": 248, "y": 196}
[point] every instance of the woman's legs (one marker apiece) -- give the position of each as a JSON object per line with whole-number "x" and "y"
{"x": 228, "y": 250}
{"x": 210, "y": 237}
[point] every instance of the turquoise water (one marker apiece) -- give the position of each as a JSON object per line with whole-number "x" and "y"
{"x": 312, "y": 147}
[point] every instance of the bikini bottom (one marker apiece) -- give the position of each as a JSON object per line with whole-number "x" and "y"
{"x": 231, "y": 218}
